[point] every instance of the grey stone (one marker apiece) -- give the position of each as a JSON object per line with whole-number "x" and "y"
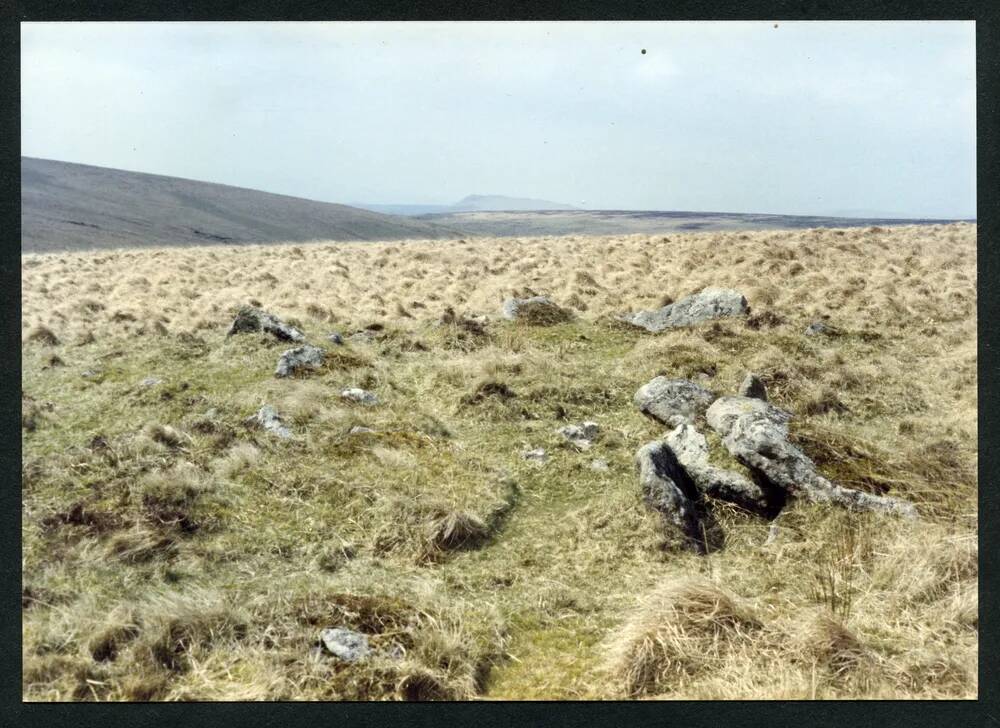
{"x": 150, "y": 382}
{"x": 268, "y": 418}
{"x": 537, "y": 455}
{"x": 817, "y": 328}
{"x": 348, "y": 645}
{"x": 335, "y": 338}
{"x": 582, "y": 435}
{"x": 673, "y": 401}
{"x": 541, "y": 308}
{"x": 250, "y": 319}
{"x": 599, "y": 465}
{"x": 361, "y": 396}
{"x": 690, "y": 449}
{"x": 661, "y": 479}
{"x": 756, "y": 434}
{"x": 711, "y": 303}
{"x": 753, "y": 386}
{"x": 301, "y": 358}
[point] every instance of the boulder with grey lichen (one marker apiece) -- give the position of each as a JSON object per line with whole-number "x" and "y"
{"x": 300, "y": 359}
{"x": 711, "y": 303}
{"x": 663, "y": 482}
{"x": 673, "y": 401}
{"x": 249, "y": 319}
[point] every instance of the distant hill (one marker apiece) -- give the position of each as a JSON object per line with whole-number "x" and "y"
{"x": 66, "y": 206}
{"x": 651, "y": 222}
{"x": 472, "y": 203}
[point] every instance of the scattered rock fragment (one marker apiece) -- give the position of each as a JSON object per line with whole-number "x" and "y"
{"x": 299, "y": 359}
{"x": 756, "y": 434}
{"x": 336, "y": 338}
{"x": 348, "y": 645}
{"x": 150, "y": 382}
{"x": 537, "y": 455}
{"x": 817, "y": 328}
{"x": 359, "y": 430}
{"x": 537, "y": 311}
{"x": 582, "y": 436}
{"x": 710, "y": 303}
{"x": 268, "y": 418}
{"x": 600, "y": 466}
{"x": 673, "y": 401}
{"x": 361, "y": 396}
{"x": 249, "y": 319}
{"x": 753, "y": 386}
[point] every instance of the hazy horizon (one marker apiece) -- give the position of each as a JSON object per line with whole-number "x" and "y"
{"x": 818, "y": 118}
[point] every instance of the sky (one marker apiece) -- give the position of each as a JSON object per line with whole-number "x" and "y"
{"x": 761, "y": 117}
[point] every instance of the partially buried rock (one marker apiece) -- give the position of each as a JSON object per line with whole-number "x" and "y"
{"x": 302, "y": 358}
{"x": 150, "y": 382}
{"x": 348, "y": 645}
{"x": 600, "y": 466}
{"x": 361, "y": 396}
{"x": 335, "y": 338}
{"x": 820, "y": 328}
{"x": 582, "y": 436}
{"x": 249, "y": 319}
{"x": 753, "y": 386}
{"x": 537, "y": 455}
{"x": 673, "y": 401}
{"x": 709, "y": 304}
{"x": 537, "y": 311}
{"x": 756, "y": 434}
{"x": 268, "y": 418}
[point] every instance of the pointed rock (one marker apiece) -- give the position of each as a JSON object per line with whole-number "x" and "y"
{"x": 662, "y": 480}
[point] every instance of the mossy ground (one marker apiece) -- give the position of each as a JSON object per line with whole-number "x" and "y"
{"x": 201, "y": 561}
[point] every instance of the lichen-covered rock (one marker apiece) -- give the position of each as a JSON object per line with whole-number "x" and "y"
{"x": 537, "y": 310}
{"x": 756, "y": 434}
{"x": 753, "y": 386}
{"x": 348, "y": 645}
{"x": 673, "y": 402}
{"x": 302, "y": 358}
{"x": 711, "y": 303}
{"x": 336, "y": 338}
{"x": 691, "y": 451}
{"x": 662, "y": 481}
{"x": 582, "y": 435}
{"x": 268, "y": 418}
{"x": 249, "y": 319}
{"x": 361, "y": 396}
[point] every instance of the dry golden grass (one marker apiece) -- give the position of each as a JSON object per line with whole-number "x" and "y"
{"x": 172, "y": 552}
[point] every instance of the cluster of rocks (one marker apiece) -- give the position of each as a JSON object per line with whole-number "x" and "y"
{"x": 300, "y": 359}
{"x": 676, "y": 474}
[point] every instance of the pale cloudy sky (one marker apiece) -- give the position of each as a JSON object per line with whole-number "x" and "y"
{"x": 805, "y": 118}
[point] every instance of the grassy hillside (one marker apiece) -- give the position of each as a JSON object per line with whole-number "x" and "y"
{"x": 68, "y": 206}
{"x": 173, "y": 552}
